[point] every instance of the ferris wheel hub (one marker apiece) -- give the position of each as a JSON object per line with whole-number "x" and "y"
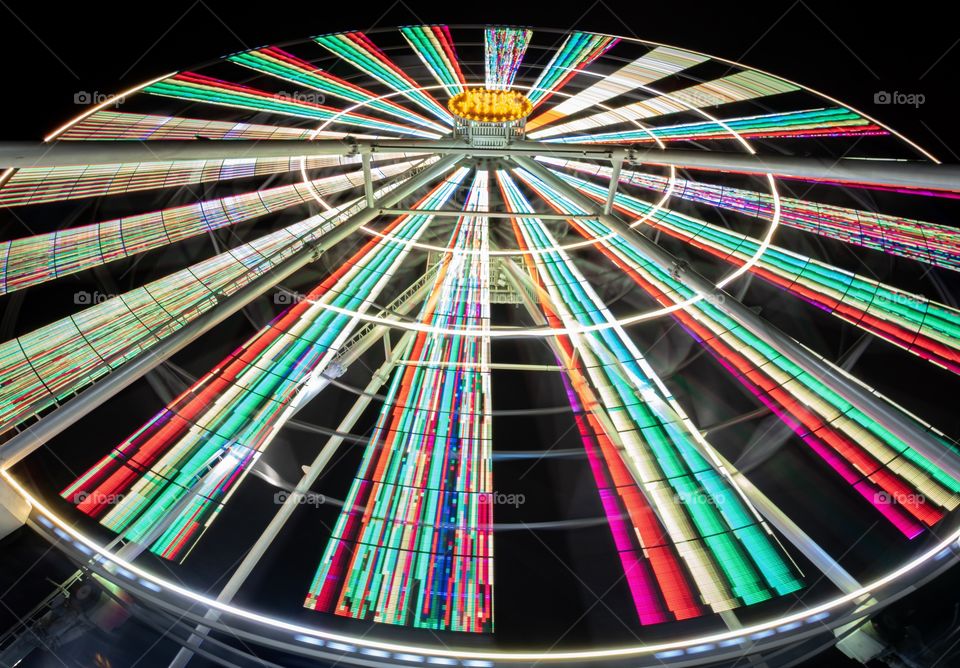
{"x": 490, "y": 118}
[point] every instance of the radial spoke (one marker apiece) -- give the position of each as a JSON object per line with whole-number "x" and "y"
{"x": 650, "y": 463}
{"x": 864, "y": 451}
{"x": 737, "y": 87}
{"x": 358, "y": 50}
{"x": 578, "y": 50}
{"x": 914, "y": 322}
{"x": 808, "y": 123}
{"x": 34, "y": 260}
{"x": 213, "y": 433}
{"x": 42, "y": 367}
{"x": 283, "y": 65}
{"x": 661, "y": 62}
{"x": 435, "y": 47}
{"x": 417, "y": 523}
{"x": 201, "y": 88}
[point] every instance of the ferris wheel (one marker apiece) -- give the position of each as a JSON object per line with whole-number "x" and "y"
{"x": 307, "y": 337}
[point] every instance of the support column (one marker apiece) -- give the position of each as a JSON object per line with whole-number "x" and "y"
{"x": 614, "y": 184}
{"x": 14, "y": 509}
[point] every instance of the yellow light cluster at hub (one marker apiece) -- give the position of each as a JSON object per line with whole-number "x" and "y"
{"x": 490, "y": 106}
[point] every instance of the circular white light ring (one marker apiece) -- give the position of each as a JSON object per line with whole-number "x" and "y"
{"x": 864, "y": 591}
{"x": 640, "y": 317}
{"x": 624, "y": 652}
{"x": 656, "y": 208}
{"x": 513, "y": 332}
{"x": 503, "y": 253}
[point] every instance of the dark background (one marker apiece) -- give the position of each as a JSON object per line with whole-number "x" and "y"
{"x": 851, "y": 51}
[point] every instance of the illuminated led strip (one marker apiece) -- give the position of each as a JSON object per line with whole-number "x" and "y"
{"x": 44, "y": 257}
{"x": 836, "y": 122}
{"x": 686, "y": 508}
{"x": 201, "y": 88}
{"x": 504, "y": 50}
{"x": 288, "y": 67}
{"x": 123, "y": 125}
{"x": 414, "y": 542}
{"x": 198, "y": 450}
{"x": 578, "y": 50}
{"x": 435, "y": 47}
{"x": 926, "y": 328}
{"x": 739, "y": 87}
{"x": 661, "y": 62}
{"x": 41, "y": 185}
{"x": 938, "y": 245}
{"x": 357, "y": 49}
{"x": 53, "y": 362}
{"x": 904, "y": 486}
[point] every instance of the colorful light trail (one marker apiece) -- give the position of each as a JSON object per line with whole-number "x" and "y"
{"x": 199, "y": 87}
{"x": 737, "y": 87}
{"x": 937, "y": 245}
{"x": 360, "y": 51}
{"x": 37, "y": 259}
{"x": 578, "y": 50}
{"x": 505, "y": 48}
{"x": 173, "y": 475}
{"x": 693, "y": 538}
{"x": 414, "y": 542}
{"x": 904, "y": 486}
{"x": 288, "y": 67}
{"x": 435, "y": 47}
{"x": 921, "y": 325}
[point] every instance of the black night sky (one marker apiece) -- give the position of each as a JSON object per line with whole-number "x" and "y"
{"x": 58, "y": 54}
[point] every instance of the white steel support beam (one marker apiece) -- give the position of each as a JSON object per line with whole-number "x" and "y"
{"x": 614, "y": 184}
{"x": 891, "y": 173}
{"x": 367, "y": 180}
